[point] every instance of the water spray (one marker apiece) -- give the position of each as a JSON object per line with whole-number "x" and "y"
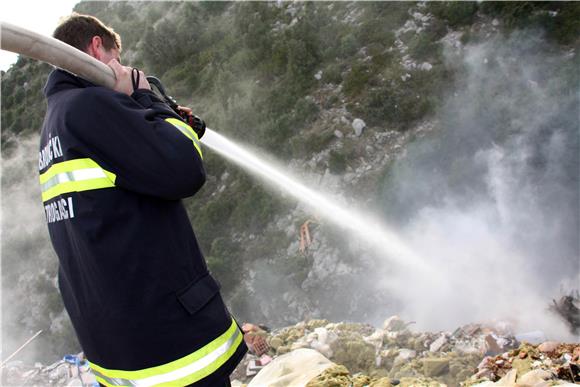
{"x": 60, "y": 54}
{"x": 362, "y": 225}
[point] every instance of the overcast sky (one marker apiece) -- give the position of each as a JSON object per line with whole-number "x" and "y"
{"x": 37, "y": 15}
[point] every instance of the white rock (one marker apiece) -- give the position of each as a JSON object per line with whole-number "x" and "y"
{"x": 426, "y": 66}
{"x": 548, "y": 346}
{"x": 358, "y": 125}
{"x": 375, "y": 339}
{"x": 318, "y": 75}
{"x": 509, "y": 379}
{"x": 338, "y": 134}
{"x": 495, "y": 22}
{"x": 322, "y": 334}
{"x": 406, "y": 354}
{"x": 535, "y": 377}
{"x": 437, "y": 344}
{"x": 322, "y": 348}
{"x": 393, "y": 323}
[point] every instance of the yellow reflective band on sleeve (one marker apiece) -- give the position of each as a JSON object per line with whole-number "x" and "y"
{"x": 181, "y": 372}
{"x": 187, "y": 131}
{"x": 74, "y": 176}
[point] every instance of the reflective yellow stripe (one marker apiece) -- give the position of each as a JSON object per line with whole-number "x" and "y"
{"x": 187, "y": 370}
{"x": 74, "y": 176}
{"x": 187, "y": 131}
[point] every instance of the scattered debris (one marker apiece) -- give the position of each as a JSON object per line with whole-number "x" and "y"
{"x": 530, "y": 365}
{"x": 255, "y": 338}
{"x": 305, "y": 239}
{"x": 567, "y": 308}
{"x": 319, "y": 353}
{"x": 20, "y": 348}
{"x": 72, "y": 370}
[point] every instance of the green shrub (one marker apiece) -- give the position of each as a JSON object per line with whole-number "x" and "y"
{"x": 398, "y": 104}
{"x": 253, "y": 208}
{"x": 210, "y": 219}
{"x": 357, "y": 79}
{"x": 425, "y": 47}
{"x": 295, "y": 268}
{"x": 348, "y": 46}
{"x": 337, "y": 162}
{"x": 224, "y": 261}
{"x": 560, "y": 20}
{"x": 565, "y": 26}
{"x": 455, "y": 13}
{"x": 332, "y": 74}
{"x": 305, "y": 111}
{"x": 313, "y": 142}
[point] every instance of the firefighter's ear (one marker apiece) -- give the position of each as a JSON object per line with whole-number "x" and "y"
{"x": 95, "y": 47}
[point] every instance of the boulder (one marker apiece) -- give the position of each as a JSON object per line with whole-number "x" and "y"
{"x": 276, "y": 342}
{"x": 336, "y": 375}
{"x": 382, "y": 382}
{"x": 358, "y": 125}
{"x": 509, "y": 379}
{"x": 435, "y": 366}
{"x": 535, "y": 377}
{"x": 548, "y": 346}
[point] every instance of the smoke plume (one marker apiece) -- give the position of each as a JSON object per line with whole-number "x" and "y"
{"x": 30, "y": 299}
{"x": 492, "y": 198}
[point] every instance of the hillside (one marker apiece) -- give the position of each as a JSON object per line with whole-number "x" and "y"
{"x": 454, "y": 123}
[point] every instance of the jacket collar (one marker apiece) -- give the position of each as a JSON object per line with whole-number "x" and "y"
{"x": 60, "y": 80}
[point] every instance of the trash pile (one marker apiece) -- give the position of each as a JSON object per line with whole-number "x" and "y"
{"x": 361, "y": 355}
{"x": 550, "y": 363}
{"x": 72, "y": 370}
{"x": 320, "y": 353}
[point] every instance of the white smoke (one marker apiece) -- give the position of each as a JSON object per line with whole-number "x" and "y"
{"x": 493, "y": 200}
{"x": 30, "y": 298}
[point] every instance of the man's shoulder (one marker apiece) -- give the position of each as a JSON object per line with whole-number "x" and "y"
{"x": 88, "y": 98}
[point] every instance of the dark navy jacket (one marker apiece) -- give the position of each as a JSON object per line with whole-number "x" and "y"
{"x": 132, "y": 276}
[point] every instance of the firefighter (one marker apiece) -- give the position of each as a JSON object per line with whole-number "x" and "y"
{"x": 114, "y": 165}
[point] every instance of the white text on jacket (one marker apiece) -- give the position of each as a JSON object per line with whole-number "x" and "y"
{"x": 51, "y": 150}
{"x": 60, "y": 209}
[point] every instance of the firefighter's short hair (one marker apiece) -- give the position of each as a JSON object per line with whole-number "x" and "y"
{"x": 78, "y": 30}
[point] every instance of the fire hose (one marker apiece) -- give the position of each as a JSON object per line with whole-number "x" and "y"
{"x": 57, "y": 53}
{"x": 50, "y": 50}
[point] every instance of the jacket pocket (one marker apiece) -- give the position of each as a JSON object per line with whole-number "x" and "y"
{"x": 198, "y": 294}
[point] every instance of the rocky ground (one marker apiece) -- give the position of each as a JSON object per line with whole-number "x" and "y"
{"x": 358, "y": 355}
{"x": 475, "y": 354}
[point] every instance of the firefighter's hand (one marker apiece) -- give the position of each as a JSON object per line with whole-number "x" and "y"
{"x": 196, "y": 123}
{"x": 124, "y": 83}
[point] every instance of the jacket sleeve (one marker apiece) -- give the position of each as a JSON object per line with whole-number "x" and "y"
{"x": 140, "y": 140}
